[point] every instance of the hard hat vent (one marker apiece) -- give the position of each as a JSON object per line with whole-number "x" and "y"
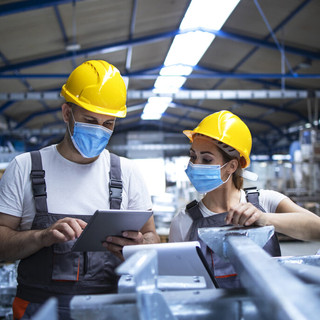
{"x": 97, "y": 86}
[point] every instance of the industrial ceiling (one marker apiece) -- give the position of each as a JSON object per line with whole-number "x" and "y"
{"x": 263, "y": 65}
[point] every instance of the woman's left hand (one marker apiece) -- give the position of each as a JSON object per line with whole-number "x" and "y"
{"x": 245, "y": 214}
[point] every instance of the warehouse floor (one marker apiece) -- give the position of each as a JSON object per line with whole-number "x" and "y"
{"x": 299, "y": 248}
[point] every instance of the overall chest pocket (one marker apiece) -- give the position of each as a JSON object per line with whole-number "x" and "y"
{"x": 100, "y": 265}
{"x": 66, "y": 263}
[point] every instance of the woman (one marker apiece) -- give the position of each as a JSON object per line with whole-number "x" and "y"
{"x": 220, "y": 150}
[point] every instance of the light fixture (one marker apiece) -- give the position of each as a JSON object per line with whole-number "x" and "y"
{"x": 187, "y": 49}
{"x": 155, "y": 108}
{"x": 305, "y": 64}
{"x": 281, "y": 157}
{"x": 73, "y": 47}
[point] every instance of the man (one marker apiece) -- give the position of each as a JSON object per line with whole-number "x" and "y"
{"x": 43, "y": 212}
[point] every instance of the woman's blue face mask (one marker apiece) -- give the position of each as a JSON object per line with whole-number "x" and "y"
{"x": 89, "y": 139}
{"x": 204, "y": 177}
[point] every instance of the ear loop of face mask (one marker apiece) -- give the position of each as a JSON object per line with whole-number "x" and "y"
{"x": 229, "y": 174}
{"x": 74, "y": 121}
{"x": 223, "y": 182}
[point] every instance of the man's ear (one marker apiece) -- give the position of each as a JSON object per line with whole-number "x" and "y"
{"x": 65, "y": 112}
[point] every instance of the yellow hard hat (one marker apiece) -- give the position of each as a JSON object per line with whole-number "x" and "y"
{"x": 226, "y": 127}
{"x": 97, "y": 86}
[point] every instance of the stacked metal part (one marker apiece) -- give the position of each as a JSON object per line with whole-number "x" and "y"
{"x": 8, "y": 285}
{"x": 274, "y": 288}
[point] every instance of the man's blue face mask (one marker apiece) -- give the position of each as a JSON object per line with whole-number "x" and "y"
{"x": 204, "y": 177}
{"x": 89, "y": 139}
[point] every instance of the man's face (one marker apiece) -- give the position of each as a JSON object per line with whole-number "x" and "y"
{"x": 86, "y": 116}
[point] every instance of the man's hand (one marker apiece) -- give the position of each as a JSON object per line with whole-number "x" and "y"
{"x": 147, "y": 235}
{"x": 115, "y": 244}
{"x": 245, "y": 214}
{"x": 61, "y": 231}
{"x": 16, "y": 245}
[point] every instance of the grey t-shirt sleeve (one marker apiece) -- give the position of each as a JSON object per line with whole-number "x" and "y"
{"x": 11, "y": 190}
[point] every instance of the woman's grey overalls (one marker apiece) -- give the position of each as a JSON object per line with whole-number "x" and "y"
{"x": 223, "y": 271}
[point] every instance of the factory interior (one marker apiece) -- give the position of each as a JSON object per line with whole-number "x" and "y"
{"x": 181, "y": 60}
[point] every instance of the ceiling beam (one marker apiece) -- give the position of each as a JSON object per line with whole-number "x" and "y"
{"x": 207, "y": 75}
{"x": 276, "y": 29}
{"x": 35, "y": 115}
{"x": 23, "y": 6}
{"x": 131, "y": 32}
{"x": 208, "y": 111}
{"x": 180, "y": 95}
{"x": 123, "y": 45}
{"x": 61, "y": 25}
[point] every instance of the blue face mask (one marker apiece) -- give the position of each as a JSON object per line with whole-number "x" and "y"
{"x": 89, "y": 139}
{"x": 204, "y": 177}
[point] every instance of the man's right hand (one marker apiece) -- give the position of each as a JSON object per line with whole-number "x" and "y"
{"x": 63, "y": 230}
{"x": 16, "y": 244}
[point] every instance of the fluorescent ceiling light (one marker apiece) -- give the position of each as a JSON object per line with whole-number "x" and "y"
{"x": 187, "y": 49}
{"x": 260, "y": 157}
{"x": 178, "y": 69}
{"x": 166, "y": 84}
{"x": 211, "y": 14}
{"x": 155, "y": 107}
{"x": 281, "y": 157}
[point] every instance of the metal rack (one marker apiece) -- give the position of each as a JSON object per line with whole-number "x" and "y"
{"x": 8, "y": 285}
{"x": 274, "y": 288}
{"x": 280, "y": 288}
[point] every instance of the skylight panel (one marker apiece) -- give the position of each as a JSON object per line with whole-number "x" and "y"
{"x": 155, "y": 107}
{"x": 208, "y": 14}
{"x": 187, "y": 49}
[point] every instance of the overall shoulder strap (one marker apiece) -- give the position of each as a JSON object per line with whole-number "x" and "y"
{"x": 252, "y": 195}
{"x": 272, "y": 246}
{"x": 193, "y": 210}
{"x": 115, "y": 184}
{"x": 38, "y": 182}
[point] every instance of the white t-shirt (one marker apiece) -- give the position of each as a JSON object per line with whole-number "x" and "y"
{"x": 181, "y": 223}
{"x": 72, "y": 188}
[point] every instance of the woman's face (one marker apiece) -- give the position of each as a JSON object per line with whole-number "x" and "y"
{"x": 204, "y": 151}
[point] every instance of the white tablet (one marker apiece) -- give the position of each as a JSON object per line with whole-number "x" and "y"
{"x": 106, "y": 223}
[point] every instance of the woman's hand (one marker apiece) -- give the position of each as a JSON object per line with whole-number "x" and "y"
{"x": 246, "y": 214}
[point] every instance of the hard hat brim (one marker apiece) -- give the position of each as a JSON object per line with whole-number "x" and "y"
{"x": 189, "y": 134}
{"x": 96, "y": 109}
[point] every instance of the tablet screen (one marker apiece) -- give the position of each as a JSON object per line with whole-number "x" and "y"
{"x": 106, "y": 223}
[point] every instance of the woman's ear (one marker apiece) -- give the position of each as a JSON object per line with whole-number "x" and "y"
{"x": 233, "y": 165}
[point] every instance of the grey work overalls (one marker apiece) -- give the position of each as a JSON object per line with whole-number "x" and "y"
{"x": 56, "y": 270}
{"x": 223, "y": 271}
